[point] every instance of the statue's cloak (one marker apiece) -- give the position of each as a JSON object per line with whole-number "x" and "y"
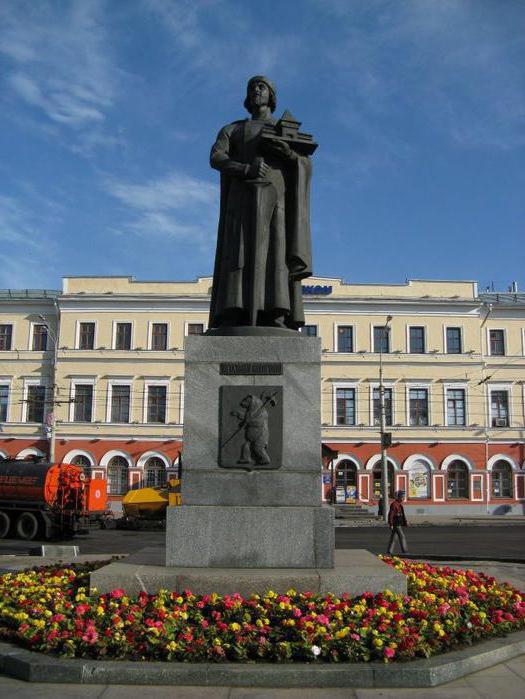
{"x": 263, "y": 242}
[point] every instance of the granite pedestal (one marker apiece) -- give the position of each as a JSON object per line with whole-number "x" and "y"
{"x": 251, "y": 515}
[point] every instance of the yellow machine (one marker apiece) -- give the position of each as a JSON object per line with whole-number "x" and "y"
{"x": 151, "y": 503}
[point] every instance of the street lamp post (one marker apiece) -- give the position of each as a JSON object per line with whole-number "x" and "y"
{"x": 384, "y": 460}
{"x": 51, "y": 424}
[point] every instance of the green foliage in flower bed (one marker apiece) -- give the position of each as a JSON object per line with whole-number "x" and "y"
{"x": 49, "y": 610}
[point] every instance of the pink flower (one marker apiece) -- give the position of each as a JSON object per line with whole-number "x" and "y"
{"x": 389, "y": 652}
{"x": 91, "y": 636}
{"x": 323, "y": 619}
{"x": 117, "y": 594}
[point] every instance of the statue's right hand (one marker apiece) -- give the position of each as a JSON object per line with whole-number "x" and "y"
{"x": 258, "y": 168}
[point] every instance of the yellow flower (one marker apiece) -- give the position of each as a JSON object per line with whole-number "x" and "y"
{"x": 235, "y": 626}
{"x": 378, "y": 643}
{"x": 172, "y": 646}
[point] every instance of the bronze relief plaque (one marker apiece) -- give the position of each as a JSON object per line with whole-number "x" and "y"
{"x": 250, "y": 427}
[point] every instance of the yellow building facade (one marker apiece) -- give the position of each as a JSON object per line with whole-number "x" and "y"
{"x": 109, "y": 393}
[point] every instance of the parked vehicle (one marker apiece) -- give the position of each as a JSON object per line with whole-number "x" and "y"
{"x": 144, "y": 505}
{"x": 48, "y": 500}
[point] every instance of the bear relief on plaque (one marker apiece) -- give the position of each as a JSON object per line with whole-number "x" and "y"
{"x": 251, "y": 427}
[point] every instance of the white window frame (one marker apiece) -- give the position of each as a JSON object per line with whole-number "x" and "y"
{"x": 455, "y": 386}
{"x": 32, "y": 332}
{"x": 82, "y": 380}
{"x": 425, "y": 338}
{"x": 156, "y": 382}
{"x": 7, "y": 381}
{"x": 194, "y": 322}
{"x": 421, "y": 385}
{"x": 151, "y": 323}
{"x": 505, "y": 343}
{"x": 77, "y": 333}
{"x": 114, "y": 335}
{"x": 499, "y": 387}
{"x": 387, "y": 384}
{"x": 345, "y": 384}
{"x": 354, "y": 337}
{"x": 523, "y": 341}
{"x": 34, "y": 382}
{"x": 119, "y": 382}
{"x": 389, "y": 333}
{"x": 13, "y": 344}
{"x": 461, "y": 339}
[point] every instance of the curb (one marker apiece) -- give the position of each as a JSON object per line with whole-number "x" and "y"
{"x": 454, "y": 559}
{"x": 37, "y": 667}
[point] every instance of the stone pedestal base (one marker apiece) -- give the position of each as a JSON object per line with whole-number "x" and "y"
{"x": 355, "y": 571}
{"x": 250, "y": 537}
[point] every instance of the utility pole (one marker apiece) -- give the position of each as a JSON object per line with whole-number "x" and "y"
{"x": 51, "y": 431}
{"x": 384, "y": 460}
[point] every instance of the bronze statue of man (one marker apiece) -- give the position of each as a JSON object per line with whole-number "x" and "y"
{"x": 263, "y": 243}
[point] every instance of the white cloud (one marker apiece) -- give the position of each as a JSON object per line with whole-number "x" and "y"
{"x": 26, "y": 251}
{"x": 177, "y": 206}
{"x": 454, "y": 65}
{"x": 232, "y": 46}
{"x": 59, "y": 59}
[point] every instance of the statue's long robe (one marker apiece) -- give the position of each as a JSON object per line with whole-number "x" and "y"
{"x": 263, "y": 242}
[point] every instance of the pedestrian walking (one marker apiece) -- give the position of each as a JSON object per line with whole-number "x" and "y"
{"x": 396, "y": 522}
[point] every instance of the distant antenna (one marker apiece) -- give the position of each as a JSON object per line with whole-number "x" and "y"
{"x": 492, "y": 285}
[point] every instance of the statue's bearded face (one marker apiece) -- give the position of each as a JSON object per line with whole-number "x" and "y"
{"x": 259, "y": 94}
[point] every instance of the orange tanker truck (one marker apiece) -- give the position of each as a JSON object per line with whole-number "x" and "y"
{"x": 48, "y": 500}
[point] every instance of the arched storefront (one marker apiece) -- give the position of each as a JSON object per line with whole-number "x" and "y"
{"x": 346, "y": 480}
{"x": 419, "y": 471}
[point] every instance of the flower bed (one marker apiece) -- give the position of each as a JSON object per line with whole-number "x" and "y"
{"x": 49, "y": 610}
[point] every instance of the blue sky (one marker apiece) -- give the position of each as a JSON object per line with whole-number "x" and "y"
{"x": 108, "y": 110}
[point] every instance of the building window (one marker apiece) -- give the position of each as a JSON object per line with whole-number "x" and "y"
{"x": 155, "y": 472}
{"x": 456, "y": 406}
{"x": 418, "y": 480}
{"x": 195, "y": 329}
{"x": 118, "y": 476}
{"x": 120, "y": 400}
{"x": 4, "y": 401}
{"x": 497, "y": 342}
{"x": 83, "y": 402}
{"x": 377, "y": 406}
{"x": 39, "y": 338}
{"x": 454, "y": 341}
{"x": 84, "y": 462}
{"x": 159, "y": 336}
{"x": 381, "y": 339}
{"x": 378, "y": 478}
{"x": 418, "y": 407}
{"x": 457, "y": 477}
{"x": 416, "y": 339}
{"x": 156, "y": 404}
{"x": 6, "y": 337}
{"x": 345, "y": 481}
{"x": 123, "y": 336}
{"x": 345, "y": 406}
{"x": 36, "y": 398}
{"x": 86, "y": 336}
{"x": 345, "y": 338}
{"x": 309, "y": 330}
{"x": 499, "y": 408}
{"x": 502, "y": 480}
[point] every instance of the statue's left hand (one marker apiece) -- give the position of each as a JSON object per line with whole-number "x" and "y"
{"x": 280, "y": 149}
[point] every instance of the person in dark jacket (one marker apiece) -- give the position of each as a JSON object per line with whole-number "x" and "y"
{"x": 396, "y": 522}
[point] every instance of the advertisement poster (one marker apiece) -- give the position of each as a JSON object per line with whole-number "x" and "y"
{"x": 340, "y": 495}
{"x": 418, "y": 483}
